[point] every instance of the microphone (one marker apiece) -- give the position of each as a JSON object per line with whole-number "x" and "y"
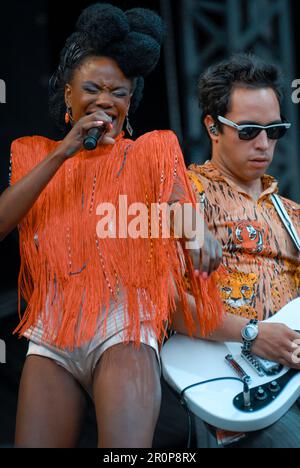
{"x": 93, "y": 136}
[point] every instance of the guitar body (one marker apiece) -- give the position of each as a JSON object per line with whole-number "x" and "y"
{"x": 186, "y": 361}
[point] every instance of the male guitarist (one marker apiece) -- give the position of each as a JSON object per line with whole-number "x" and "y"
{"x": 241, "y": 102}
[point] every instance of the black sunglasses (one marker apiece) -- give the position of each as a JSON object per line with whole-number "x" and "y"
{"x": 251, "y": 131}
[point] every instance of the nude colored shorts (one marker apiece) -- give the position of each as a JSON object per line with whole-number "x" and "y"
{"x": 82, "y": 361}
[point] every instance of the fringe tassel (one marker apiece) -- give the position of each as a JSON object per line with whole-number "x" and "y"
{"x": 69, "y": 277}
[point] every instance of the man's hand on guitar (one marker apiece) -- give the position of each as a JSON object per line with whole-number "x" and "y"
{"x": 279, "y": 343}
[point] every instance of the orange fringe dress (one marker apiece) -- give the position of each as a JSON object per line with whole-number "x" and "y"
{"x": 65, "y": 265}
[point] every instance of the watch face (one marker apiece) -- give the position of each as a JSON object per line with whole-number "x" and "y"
{"x": 250, "y": 332}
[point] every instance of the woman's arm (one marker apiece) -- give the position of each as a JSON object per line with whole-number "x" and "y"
{"x": 204, "y": 249}
{"x": 17, "y": 200}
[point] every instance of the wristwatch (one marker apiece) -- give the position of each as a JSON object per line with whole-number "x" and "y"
{"x": 249, "y": 334}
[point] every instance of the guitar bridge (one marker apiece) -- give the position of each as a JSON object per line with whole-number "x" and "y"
{"x": 262, "y": 366}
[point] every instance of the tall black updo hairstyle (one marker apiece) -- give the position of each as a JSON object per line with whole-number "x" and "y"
{"x": 132, "y": 38}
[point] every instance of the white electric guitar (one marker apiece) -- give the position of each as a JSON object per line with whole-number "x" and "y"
{"x": 223, "y": 404}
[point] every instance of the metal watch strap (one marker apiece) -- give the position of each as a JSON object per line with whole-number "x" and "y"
{"x": 247, "y": 345}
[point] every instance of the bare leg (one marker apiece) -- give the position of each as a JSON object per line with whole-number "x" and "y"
{"x": 50, "y": 406}
{"x": 127, "y": 396}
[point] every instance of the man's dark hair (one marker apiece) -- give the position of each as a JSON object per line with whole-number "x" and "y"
{"x": 132, "y": 38}
{"x": 240, "y": 70}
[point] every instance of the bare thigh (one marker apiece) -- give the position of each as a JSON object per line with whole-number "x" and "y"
{"x": 50, "y": 406}
{"x": 127, "y": 396}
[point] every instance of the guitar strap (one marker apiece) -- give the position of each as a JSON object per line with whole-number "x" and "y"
{"x": 285, "y": 218}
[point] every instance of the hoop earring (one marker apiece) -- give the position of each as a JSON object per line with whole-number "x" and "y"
{"x": 128, "y": 126}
